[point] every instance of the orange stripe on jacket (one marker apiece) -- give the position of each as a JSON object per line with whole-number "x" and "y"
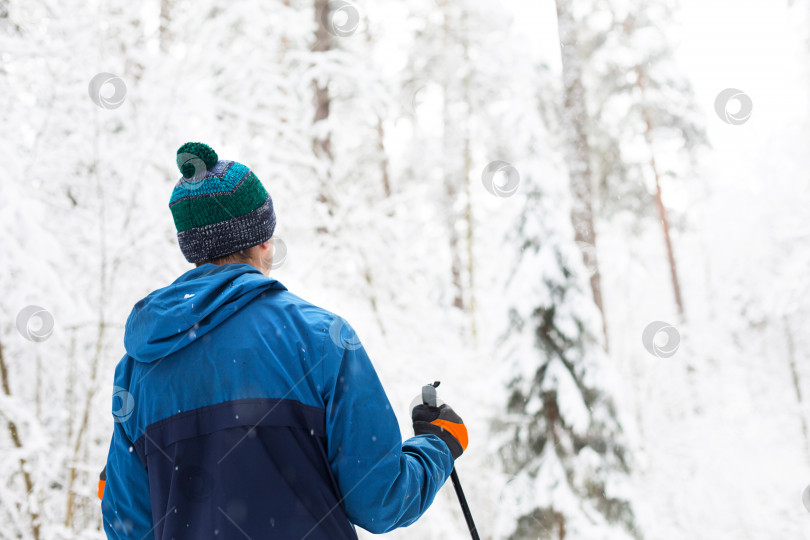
{"x": 100, "y": 489}
{"x": 459, "y": 431}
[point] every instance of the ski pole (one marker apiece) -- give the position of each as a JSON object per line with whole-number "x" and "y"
{"x": 465, "y": 509}
{"x": 429, "y": 399}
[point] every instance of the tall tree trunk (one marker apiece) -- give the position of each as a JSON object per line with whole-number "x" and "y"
{"x": 386, "y": 180}
{"x": 451, "y": 193}
{"x": 164, "y": 35}
{"x": 322, "y": 145}
{"x": 452, "y": 171}
{"x": 372, "y": 297}
{"x": 386, "y": 184}
{"x": 468, "y": 211}
{"x": 323, "y": 43}
{"x": 468, "y": 216}
{"x": 577, "y": 149}
{"x": 17, "y": 441}
{"x": 794, "y": 373}
{"x": 662, "y": 212}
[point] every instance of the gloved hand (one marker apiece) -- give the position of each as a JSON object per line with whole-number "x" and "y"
{"x": 441, "y": 421}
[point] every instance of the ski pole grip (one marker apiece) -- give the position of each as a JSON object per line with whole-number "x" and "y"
{"x": 429, "y": 394}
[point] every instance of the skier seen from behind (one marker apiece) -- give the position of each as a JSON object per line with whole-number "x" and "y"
{"x": 242, "y": 410}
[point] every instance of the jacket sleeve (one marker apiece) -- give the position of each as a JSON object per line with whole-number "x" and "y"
{"x": 384, "y": 482}
{"x": 125, "y": 507}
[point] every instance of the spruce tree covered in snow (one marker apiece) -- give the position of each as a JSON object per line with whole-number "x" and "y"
{"x": 564, "y": 447}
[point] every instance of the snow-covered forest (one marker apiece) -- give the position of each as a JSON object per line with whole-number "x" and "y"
{"x": 587, "y": 218}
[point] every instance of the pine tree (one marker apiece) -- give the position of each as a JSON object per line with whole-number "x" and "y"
{"x": 646, "y": 129}
{"x": 563, "y": 440}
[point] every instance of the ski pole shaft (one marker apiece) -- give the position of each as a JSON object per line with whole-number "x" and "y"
{"x": 465, "y": 509}
{"x": 429, "y": 398}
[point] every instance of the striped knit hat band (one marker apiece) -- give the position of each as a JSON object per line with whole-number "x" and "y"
{"x": 219, "y": 207}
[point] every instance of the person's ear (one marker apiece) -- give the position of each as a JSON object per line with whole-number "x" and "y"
{"x": 266, "y": 256}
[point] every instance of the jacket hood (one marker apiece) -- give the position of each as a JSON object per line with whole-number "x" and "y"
{"x": 197, "y": 302}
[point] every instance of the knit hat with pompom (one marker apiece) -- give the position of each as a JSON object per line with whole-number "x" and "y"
{"x": 219, "y": 207}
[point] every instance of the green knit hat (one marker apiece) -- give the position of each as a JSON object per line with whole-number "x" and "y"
{"x": 219, "y": 207}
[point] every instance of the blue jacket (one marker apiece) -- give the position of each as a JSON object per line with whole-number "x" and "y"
{"x": 243, "y": 411}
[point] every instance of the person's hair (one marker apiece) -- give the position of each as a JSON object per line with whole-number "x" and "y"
{"x": 236, "y": 257}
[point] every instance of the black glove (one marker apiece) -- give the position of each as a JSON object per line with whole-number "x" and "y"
{"x": 443, "y": 422}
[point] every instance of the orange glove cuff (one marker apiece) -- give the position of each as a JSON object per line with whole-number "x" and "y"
{"x": 459, "y": 431}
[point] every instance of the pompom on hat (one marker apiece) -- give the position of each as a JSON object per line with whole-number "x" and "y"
{"x": 219, "y": 207}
